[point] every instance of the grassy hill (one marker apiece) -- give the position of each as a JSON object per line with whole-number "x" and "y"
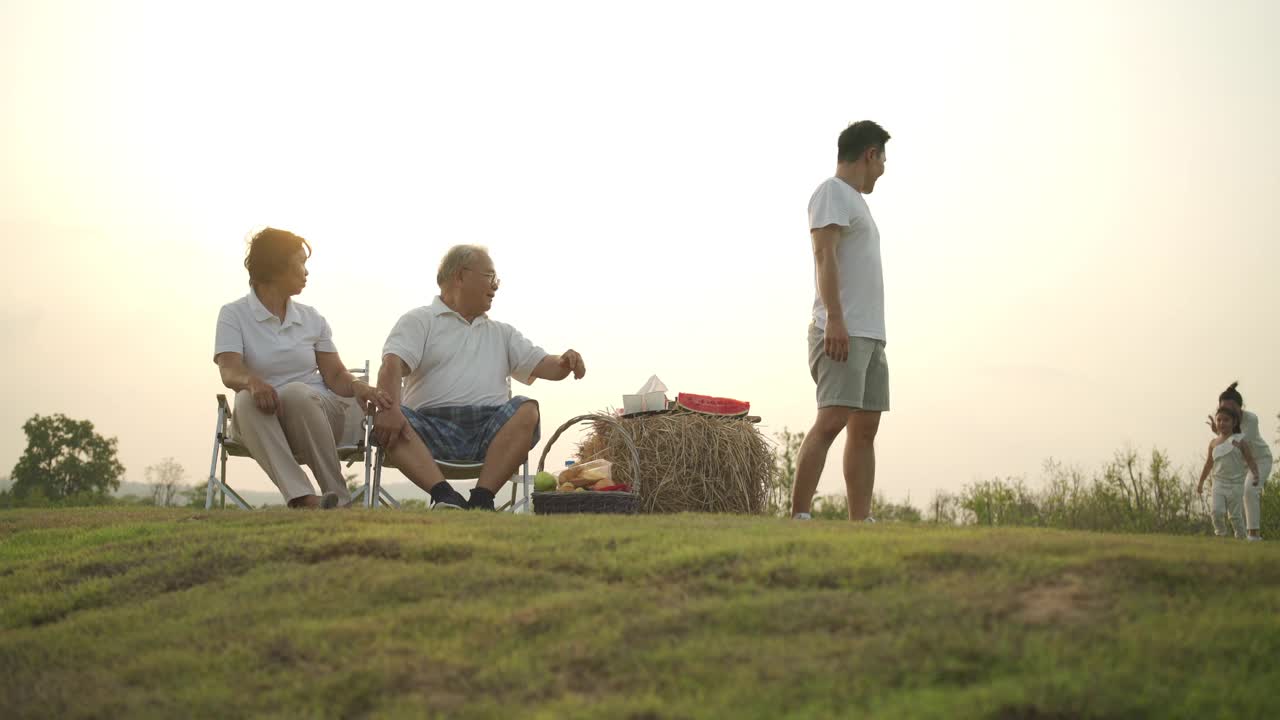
{"x": 143, "y": 612}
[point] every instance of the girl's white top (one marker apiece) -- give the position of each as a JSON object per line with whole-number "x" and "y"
{"x": 1229, "y": 467}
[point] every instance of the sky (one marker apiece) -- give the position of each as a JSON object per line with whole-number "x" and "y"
{"x": 1077, "y": 219}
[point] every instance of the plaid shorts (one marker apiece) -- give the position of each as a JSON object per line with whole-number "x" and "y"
{"x": 462, "y": 433}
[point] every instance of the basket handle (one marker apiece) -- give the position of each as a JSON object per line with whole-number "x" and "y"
{"x": 594, "y": 418}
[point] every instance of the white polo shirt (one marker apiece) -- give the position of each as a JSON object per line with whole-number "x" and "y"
{"x": 278, "y": 352}
{"x": 453, "y": 362}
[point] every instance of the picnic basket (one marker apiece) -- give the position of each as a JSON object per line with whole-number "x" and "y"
{"x": 591, "y": 501}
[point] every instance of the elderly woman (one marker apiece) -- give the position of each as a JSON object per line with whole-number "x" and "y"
{"x": 279, "y": 358}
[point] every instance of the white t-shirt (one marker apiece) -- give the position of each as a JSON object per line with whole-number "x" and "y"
{"x": 835, "y": 202}
{"x": 453, "y": 362}
{"x": 278, "y": 352}
{"x": 1249, "y": 428}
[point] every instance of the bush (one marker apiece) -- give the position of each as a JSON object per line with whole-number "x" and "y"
{"x": 999, "y": 502}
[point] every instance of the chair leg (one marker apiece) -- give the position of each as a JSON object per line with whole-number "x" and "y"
{"x": 213, "y": 466}
{"x": 385, "y": 498}
{"x": 235, "y": 498}
{"x": 526, "y": 482}
{"x": 222, "y": 493}
{"x": 524, "y": 485}
{"x": 224, "y": 488}
{"x": 371, "y": 497}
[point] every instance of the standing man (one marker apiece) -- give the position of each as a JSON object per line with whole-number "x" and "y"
{"x": 847, "y": 338}
{"x": 454, "y": 365}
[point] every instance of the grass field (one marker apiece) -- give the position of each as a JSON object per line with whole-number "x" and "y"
{"x": 142, "y": 612}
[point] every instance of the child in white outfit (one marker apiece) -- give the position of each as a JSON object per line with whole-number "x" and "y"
{"x": 1230, "y": 460}
{"x": 1254, "y": 485}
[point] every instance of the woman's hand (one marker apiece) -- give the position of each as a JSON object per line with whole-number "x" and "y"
{"x": 264, "y": 396}
{"x": 369, "y": 398}
{"x": 1212, "y": 422}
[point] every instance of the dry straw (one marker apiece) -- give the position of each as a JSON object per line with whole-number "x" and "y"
{"x": 688, "y": 461}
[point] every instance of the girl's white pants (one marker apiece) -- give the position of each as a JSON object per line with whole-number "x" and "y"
{"x": 1227, "y": 499}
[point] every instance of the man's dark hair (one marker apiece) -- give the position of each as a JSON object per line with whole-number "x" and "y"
{"x": 269, "y": 253}
{"x": 858, "y": 138}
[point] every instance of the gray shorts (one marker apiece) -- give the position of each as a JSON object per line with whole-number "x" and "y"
{"x": 860, "y": 382}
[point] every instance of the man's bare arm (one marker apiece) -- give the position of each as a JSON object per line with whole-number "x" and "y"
{"x": 558, "y": 367}
{"x": 391, "y": 376}
{"x": 825, "y": 241}
{"x": 389, "y": 423}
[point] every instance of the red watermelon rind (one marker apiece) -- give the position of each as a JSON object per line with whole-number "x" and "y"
{"x": 708, "y": 405}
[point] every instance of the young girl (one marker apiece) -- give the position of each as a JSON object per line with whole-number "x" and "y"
{"x": 1229, "y": 458}
{"x": 1231, "y": 398}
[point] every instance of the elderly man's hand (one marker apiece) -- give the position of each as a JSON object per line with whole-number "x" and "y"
{"x": 571, "y": 361}
{"x": 387, "y": 426}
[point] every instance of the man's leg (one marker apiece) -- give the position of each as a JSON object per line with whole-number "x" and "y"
{"x": 412, "y": 458}
{"x": 860, "y": 462}
{"x": 813, "y": 455}
{"x": 509, "y": 447}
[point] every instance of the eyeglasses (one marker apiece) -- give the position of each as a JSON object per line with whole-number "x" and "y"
{"x": 493, "y": 276}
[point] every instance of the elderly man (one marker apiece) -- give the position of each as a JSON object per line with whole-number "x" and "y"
{"x": 457, "y": 404}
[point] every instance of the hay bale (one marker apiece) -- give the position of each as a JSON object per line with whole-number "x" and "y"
{"x": 688, "y": 461}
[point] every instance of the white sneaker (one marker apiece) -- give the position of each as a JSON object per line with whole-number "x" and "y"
{"x": 1253, "y": 538}
{"x": 869, "y": 519}
{"x": 802, "y": 516}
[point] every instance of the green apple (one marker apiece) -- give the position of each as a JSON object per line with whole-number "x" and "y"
{"x": 544, "y": 482}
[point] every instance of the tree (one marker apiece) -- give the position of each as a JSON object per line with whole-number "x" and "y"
{"x": 165, "y": 479}
{"x": 65, "y": 459}
{"x": 778, "y": 499}
{"x": 194, "y": 496}
{"x": 945, "y": 508}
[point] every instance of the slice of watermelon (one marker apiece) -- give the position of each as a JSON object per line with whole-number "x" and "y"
{"x": 708, "y": 405}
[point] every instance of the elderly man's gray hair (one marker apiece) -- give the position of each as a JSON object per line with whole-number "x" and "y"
{"x": 458, "y": 257}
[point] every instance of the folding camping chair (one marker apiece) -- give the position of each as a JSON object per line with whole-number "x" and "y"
{"x": 352, "y": 446}
{"x": 451, "y": 471}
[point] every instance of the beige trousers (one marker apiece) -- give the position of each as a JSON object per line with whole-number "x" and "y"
{"x": 306, "y": 430}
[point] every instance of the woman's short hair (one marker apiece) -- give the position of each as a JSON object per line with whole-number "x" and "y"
{"x": 458, "y": 257}
{"x": 270, "y": 250}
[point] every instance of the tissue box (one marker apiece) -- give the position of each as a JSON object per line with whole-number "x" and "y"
{"x": 644, "y": 402}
